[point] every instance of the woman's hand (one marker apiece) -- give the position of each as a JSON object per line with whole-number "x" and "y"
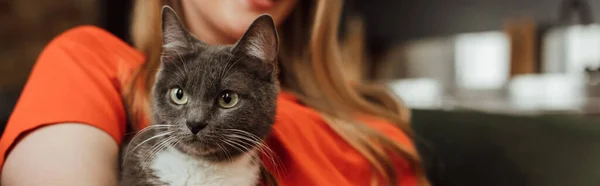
{"x": 62, "y": 155}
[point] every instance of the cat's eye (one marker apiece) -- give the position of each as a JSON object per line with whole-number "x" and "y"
{"x": 178, "y": 96}
{"x": 228, "y": 99}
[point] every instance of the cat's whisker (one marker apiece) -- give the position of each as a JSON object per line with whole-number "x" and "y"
{"x": 130, "y": 151}
{"x": 262, "y": 149}
{"x": 139, "y": 133}
{"x": 247, "y": 141}
{"x": 177, "y": 74}
{"x": 228, "y": 143}
{"x": 254, "y": 156}
{"x": 222, "y": 73}
{"x": 184, "y": 64}
{"x": 235, "y": 145}
{"x": 241, "y": 144}
{"x": 259, "y": 142}
{"x": 245, "y": 135}
{"x": 168, "y": 59}
{"x": 231, "y": 144}
{"x": 218, "y": 141}
{"x": 179, "y": 77}
{"x": 225, "y": 151}
{"x": 228, "y": 59}
{"x": 181, "y": 58}
{"x": 155, "y": 149}
{"x": 244, "y": 132}
{"x": 226, "y": 71}
{"x": 147, "y": 156}
{"x": 156, "y": 126}
{"x": 247, "y": 144}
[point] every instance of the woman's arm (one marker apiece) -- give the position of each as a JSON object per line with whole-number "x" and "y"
{"x": 62, "y": 155}
{"x": 70, "y": 118}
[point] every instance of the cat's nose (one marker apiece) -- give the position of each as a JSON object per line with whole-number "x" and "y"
{"x": 195, "y": 127}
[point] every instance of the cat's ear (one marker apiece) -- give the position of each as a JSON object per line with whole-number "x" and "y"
{"x": 174, "y": 34}
{"x": 260, "y": 40}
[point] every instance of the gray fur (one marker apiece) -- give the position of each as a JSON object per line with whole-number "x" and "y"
{"x": 203, "y": 72}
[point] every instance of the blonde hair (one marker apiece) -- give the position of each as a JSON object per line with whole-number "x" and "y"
{"x": 311, "y": 67}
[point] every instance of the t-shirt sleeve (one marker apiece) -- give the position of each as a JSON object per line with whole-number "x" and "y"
{"x": 76, "y": 79}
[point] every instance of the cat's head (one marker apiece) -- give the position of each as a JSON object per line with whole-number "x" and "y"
{"x": 217, "y": 100}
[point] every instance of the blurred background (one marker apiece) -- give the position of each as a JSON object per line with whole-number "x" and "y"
{"x": 514, "y": 58}
{"x": 507, "y": 56}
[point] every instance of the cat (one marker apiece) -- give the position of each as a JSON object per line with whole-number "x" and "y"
{"x": 211, "y": 107}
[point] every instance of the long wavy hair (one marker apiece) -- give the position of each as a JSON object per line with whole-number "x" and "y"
{"x": 317, "y": 65}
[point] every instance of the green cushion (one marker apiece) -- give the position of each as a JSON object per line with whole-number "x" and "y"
{"x": 471, "y": 148}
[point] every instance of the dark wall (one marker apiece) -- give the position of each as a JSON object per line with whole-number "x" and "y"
{"x": 391, "y": 21}
{"x": 117, "y": 17}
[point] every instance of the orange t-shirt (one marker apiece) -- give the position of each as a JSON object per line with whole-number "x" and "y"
{"x": 77, "y": 78}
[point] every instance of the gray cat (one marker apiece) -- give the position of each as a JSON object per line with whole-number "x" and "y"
{"x": 212, "y": 106}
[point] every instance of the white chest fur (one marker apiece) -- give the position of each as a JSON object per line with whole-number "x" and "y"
{"x": 178, "y": 169}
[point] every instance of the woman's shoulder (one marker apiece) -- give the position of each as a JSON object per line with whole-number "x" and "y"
{"x": 92, "y": 50}
{"x": 88, "y": 41}
{"x": 88, "y": 35}
{"x": 85, "y": 32}
{"x": 296, "y": 118}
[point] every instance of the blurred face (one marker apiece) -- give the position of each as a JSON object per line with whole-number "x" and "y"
{"x": 224, "y": 21}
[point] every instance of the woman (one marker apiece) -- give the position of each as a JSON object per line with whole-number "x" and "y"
{"x": 69, "y": 122}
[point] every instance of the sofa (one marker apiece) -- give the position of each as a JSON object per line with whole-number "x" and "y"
{"x": 462, "y": 148}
